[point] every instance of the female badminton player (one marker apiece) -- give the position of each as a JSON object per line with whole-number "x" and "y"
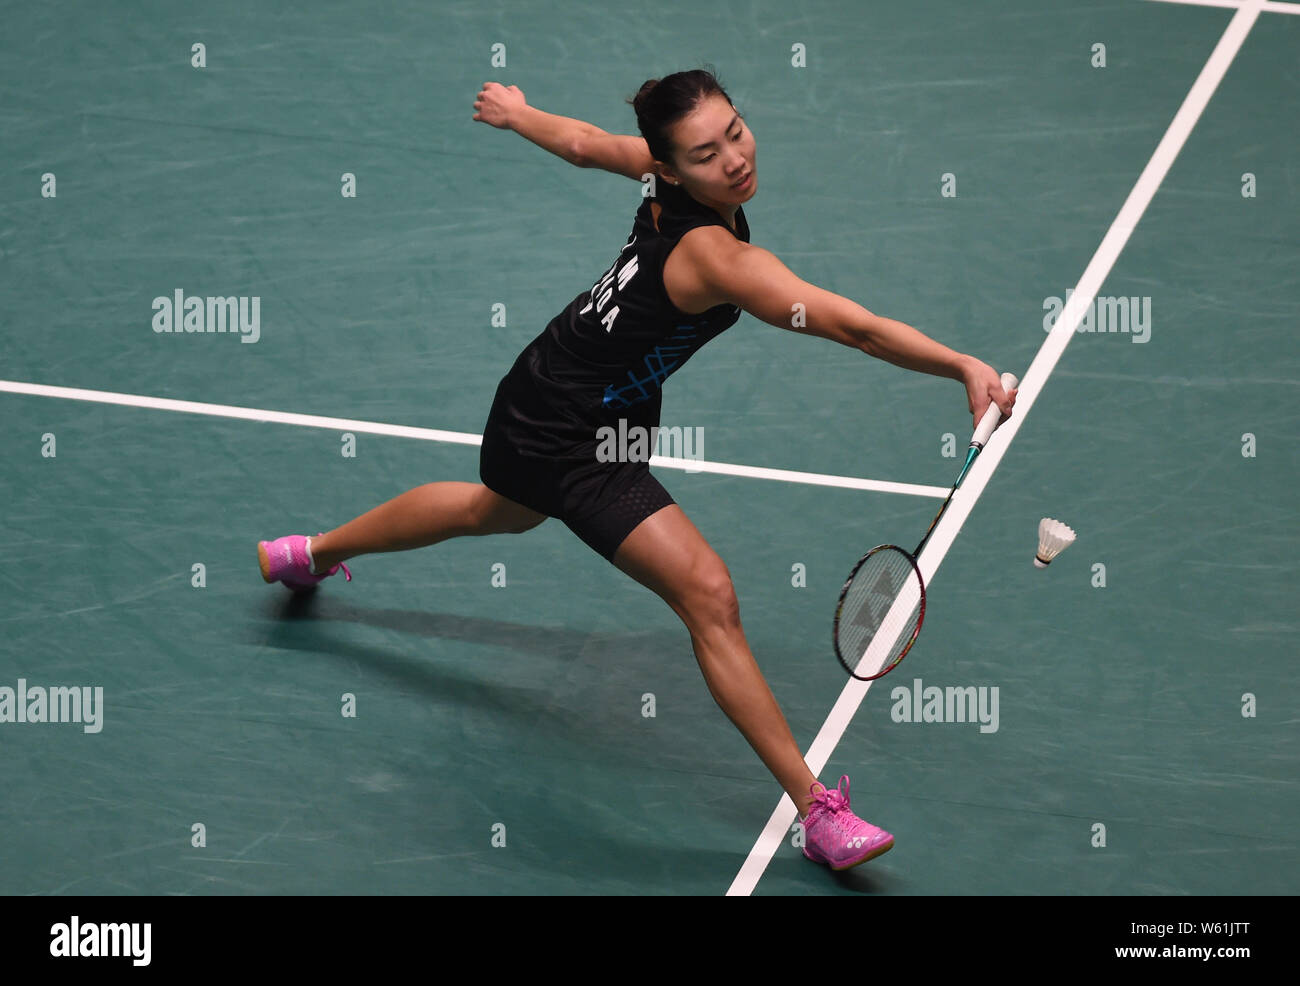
{"x": 687, "y": 271}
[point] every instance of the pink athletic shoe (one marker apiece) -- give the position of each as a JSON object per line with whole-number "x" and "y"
{"x": 835, "y": 836}
{"x": 288, "y": 560}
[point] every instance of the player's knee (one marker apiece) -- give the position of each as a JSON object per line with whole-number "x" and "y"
{"x": 712, "y": 596}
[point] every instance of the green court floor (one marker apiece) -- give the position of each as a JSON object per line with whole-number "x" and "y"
{"x": 1146, "y": 738}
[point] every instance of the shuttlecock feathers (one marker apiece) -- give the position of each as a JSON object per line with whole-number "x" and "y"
{"x": 1053, "y": 538}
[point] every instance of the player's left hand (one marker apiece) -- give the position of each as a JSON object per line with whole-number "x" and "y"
{"x": 983, "y": 387}
{"x": 498, "y": 105}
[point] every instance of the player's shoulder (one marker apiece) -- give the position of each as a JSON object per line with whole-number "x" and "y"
{"x": 709, "y": 245}
{"x": 705, "y": 265}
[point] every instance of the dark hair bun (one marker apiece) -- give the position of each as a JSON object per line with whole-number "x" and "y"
{"x": 660, "y": 103}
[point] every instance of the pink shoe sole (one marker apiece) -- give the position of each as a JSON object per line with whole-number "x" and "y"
{"x": 263, "y": 562}
{"x": 878, "y": 851}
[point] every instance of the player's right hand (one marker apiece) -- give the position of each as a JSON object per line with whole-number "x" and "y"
{"x": 984, "y": 387}
{"x": 497, "y": 104}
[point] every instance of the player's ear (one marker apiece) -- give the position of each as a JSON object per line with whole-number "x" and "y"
{"x": 667, "y": 174}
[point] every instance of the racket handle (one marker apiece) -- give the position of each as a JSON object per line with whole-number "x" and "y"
{"x": 993, "y": 415}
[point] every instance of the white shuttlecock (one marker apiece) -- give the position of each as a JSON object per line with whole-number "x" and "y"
{"x": 1053, "y": 538}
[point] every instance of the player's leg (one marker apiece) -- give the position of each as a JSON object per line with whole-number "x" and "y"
{"x": 423, "y": 516}
{"x": 667, "y": 554}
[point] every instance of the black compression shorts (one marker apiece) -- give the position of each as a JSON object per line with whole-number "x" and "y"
{"x": 601, "y": 502}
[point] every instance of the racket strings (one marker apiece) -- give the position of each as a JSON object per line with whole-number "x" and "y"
{"x": 882, "y": 604}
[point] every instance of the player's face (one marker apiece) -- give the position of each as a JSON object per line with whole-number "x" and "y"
{"x": 710, "y": 173}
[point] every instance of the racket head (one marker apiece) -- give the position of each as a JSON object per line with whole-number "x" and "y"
{"x": 884, "y": 596}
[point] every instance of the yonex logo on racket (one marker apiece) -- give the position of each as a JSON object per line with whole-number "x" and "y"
{"x": 882, "y": 589}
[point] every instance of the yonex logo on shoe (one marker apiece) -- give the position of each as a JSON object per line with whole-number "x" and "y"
{"x": 179, "y": 314}
{"x": 952, "y": 704}
{"x": 56, "y": 704}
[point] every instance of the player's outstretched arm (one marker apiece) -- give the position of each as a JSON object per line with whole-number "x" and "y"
{"x": 579, "y": 143}
{"x": 623, "y": 154}
{"x": 754, "y": 279}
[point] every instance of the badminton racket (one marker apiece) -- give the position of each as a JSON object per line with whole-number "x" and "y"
{"x": 882, "y": 604}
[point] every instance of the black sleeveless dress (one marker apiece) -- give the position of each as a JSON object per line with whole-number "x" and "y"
{"x": 602, "y": 359}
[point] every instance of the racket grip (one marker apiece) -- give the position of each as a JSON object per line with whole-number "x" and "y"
{"x": 993, "y": 415}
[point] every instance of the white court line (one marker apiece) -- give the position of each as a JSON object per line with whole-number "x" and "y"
{"x": 1270, "y": 7}
{"x": 456, "y": 437}
{"x": 774, "y": 832}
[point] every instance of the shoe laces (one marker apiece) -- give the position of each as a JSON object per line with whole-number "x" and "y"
{"x": 336, "y": 567}
{"x": 832, "y": 800}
